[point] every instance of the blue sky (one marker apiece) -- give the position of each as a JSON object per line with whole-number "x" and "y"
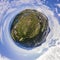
{"x": 54, "y": 5}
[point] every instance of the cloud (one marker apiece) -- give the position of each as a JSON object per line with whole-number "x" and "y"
{"x": 49, "y": 55}
{"x": 52, "y": 54}
{"x": 3, "y": 58}
{"x": 59, "y": 14}
{"x": 58, "y": 5}
{"x": 25, "y": 1}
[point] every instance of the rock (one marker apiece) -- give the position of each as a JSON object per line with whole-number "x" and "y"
{"x": 30, "y": 28}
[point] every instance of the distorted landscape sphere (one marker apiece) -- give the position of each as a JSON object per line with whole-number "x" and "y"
{"x": 29, "y": 28}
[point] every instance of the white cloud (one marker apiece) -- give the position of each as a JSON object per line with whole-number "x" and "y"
{"x": 26, "y": 1}
{"x": 52, "y": 54}
{"x": 58, "y": 5}
{"x": 3, "y": 58}
{"x": 56, "y": 9}
{"x": 59, "y": 14}
{"x": 49, "y": 55}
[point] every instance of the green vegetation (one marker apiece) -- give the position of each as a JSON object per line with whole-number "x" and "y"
{"x": 27, "y": 25}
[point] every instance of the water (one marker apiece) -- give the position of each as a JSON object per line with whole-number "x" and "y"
{"x": 8, "y": 49}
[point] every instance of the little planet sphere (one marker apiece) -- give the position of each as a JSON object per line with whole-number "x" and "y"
{"x": 29, "y": 28}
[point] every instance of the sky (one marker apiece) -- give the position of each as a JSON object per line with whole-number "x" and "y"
{"x": 54, "y": 6}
